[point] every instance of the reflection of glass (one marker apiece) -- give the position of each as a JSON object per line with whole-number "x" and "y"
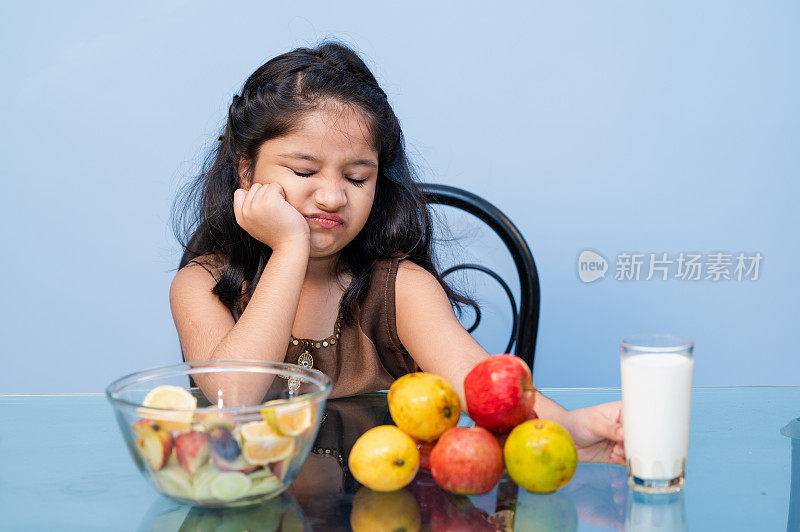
{"x": 599, "y": 493}
{"x": 655, "y": 513}
{"x": 656, "y": 395}
{"x": 792, "y": 430}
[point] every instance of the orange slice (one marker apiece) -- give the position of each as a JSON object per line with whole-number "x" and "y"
{"x": 262, "y": 445}
{"x": 172, "y": 397}
{"x": 289, "y": 420}
{"x": 257, "y": 430}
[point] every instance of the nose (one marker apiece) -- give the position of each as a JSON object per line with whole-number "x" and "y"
{"x": 330, "y": 195}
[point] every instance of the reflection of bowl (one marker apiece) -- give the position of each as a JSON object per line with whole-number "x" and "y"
{"x": 279, "y": 513}
{"x": 246, "y": 446}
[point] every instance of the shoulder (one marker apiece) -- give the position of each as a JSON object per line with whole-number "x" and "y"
{"x": 212, "y": 264}
{"x": 199, "y": 276}
{"x": 411, "y": 274}
{"x": 415, "y": 285}
{"x": 190, "y": 292}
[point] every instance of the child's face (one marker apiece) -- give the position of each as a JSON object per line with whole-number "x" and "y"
{"x": 343, "y": 174}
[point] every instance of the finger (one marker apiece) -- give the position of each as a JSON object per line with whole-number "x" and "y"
{"x": 248, "y": 201}
{"x": 279, "y": 188}
{"x": 618, "y": 456}
{"x": 260, "y": 194}
{"x": 238, "y": 201}
{"x": 609, "y": 430}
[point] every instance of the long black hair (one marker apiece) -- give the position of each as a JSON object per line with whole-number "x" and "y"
{"x": 272, "y": 101}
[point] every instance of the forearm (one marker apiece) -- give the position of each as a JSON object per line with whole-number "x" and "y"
{"x": 262, "y": 331}
{"x": 546, "y": 408}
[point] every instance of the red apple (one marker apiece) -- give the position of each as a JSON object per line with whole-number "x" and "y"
{"x": 467, "y": 461}
{"x": 501, "y": 438}
{"x": 153, "y": 442}
{"x": 192, "y": 449}
{"x": 499, "y": 392}
{"x": 425, "y": 449}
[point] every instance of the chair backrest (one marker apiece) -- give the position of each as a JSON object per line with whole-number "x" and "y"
{"x": 525, "y": 322}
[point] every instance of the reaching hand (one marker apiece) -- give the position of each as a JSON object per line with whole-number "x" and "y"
{"x": 597, "y": 433}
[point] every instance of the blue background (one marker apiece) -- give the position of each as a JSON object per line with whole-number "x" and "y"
{"x": 607, "y": 126}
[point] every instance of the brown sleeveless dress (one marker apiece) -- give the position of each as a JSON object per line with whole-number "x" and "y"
{"x": 368, "y": 356}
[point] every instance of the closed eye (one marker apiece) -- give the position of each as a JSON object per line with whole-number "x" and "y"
{"x": 356, "y": 182}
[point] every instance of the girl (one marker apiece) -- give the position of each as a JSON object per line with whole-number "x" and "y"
{"x": 310, "y": 227}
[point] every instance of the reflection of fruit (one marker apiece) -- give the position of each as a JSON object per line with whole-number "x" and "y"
{"x": 467, "y": 461}
{"x": 290, "y": 522}
{"x": 223, "y": 443}
{"x": 229, "y": 486}
{"x": 425, "y": 449}
{"x": 423, "y": 405}
{"x": 377, "y": 511}
{"x": 154, "y": 443}
{"x": 550, "y": 511}
{"x": 445, "y": 511}
{"x": 172, "y": 397}
{"x": 174, "y": 481}
{"x": 266, "y": 516}
{"x": 540, "y": 455}
{"x": 459, "y": 513}
{"x": 289, "y": 420}
{"x": 192, "y": 449}
{"x": 499, "y": 392}
{"x": 384, "y": 458}
{"x": 262, "y": 445}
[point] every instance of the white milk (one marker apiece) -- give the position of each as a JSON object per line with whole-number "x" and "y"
{"x": 656, "y": 396}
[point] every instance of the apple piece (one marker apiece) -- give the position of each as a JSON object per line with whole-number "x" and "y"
{"x": 192, "y": 449}
{"x": 223, "y": 444}
{"x": 154, "y": 443}
{"x": 281, "y": 468}
{"x": 467, "y": 461}
{"x": 499, "y": 393}
{"x": 239, "y": 464}
{"x": 212, "y": 419}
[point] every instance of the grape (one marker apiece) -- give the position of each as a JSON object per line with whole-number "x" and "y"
{"x": 223, "y": 444}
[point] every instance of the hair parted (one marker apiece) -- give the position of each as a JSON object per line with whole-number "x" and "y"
{"x": 272, "y": 101}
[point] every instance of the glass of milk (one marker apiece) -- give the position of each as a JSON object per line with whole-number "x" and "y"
{"x": 656, "y": 398}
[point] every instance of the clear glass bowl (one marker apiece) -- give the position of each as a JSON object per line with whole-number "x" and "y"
{"x": 237, "y": 439}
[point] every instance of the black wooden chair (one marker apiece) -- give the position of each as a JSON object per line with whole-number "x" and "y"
{"x": 525, "y": 319}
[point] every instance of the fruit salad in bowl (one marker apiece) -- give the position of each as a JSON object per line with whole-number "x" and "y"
{"x": 239, "y": 437}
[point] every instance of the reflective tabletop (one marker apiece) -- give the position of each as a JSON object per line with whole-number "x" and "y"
{"x": 65, "y": 467}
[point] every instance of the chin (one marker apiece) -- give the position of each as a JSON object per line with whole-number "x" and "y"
{"x": 320, "y": 250}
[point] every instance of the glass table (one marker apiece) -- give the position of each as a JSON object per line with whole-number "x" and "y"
{"x": 65, "y": 467}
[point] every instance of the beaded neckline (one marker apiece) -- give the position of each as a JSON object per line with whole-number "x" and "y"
{"x": 318, "y": 344}
{"x": 305, "y": 359}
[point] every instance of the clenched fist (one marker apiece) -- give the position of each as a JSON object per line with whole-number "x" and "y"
{"x": 265, "y": 214}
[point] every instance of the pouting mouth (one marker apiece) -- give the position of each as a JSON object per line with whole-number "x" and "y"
{"x": 325, "y": 218}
